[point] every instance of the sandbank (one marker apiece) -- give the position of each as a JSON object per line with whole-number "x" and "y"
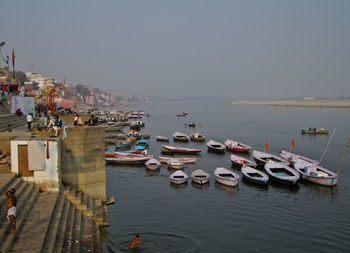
{"x": 299, "y": 103}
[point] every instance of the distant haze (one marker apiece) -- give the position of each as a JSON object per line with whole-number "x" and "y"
{"x": 194, "y": 48}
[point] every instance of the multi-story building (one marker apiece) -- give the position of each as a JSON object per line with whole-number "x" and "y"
{"x": 44, "y": 83}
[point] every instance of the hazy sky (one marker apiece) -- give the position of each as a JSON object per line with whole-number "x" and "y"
{"x": 200, "y": 48}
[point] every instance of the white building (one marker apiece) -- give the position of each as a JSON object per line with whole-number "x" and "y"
{"x": 43, "y": 82}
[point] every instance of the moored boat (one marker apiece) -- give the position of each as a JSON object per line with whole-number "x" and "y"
{"x": 129, "y": 158}
{"x": 312, "y": 130}
{"x": 254, "y": 175}
{"x": 164, "y": 159}
{"x": 315, "y": 173}
{"x": 191, "y": 124}
{"x": 178, "y": 177}
{"x": 152, "y": 164}
{"x": 175, "y": 164}
{"x": 214, "y": 146}
{"x": 281, "y": 172}
{"x": 180, "y": 137}
{"x": 142, "y": 142}
{"x": 292, "y": 158}
{"x": 197, "y": 136}
{"x": 226, "y": 177}
{"x": 261, "y": 158}
{"x": 123, "y": 144}
{"x": 200, "y": 177}
{"x": 172, "y": 150}
{"x": 237, "y": 146}
{"x": 162, "y": 138}
{"x": 239, "y": 161}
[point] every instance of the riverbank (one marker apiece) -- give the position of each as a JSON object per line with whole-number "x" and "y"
{"x": 298, "y": 103}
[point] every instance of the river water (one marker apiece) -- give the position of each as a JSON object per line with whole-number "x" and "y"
{"x": 247, "y": 218}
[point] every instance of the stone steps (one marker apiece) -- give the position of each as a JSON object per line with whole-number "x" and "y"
{"x": 49, "y": 221}
{"x": 12, "y": 119}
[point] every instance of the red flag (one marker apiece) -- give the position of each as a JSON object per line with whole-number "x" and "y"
{"x": 293, "y": 144}
{"x": 13, "y": 56}
{"x": 267, "y": 145}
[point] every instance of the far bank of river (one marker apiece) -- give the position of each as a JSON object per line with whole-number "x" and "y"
{"x": 299, "y": 103}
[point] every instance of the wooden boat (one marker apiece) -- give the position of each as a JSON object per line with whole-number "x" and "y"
{"x": 261, "y": 158}
{"x": 292, "y": 158}
{"x": 254, "y": 175}
{"x": 200, "y": 177}
{"x": 172, "y": 150}
{"x": 113, "y": 129}
{"x": 146, "y": 136}
{"x": 110, "y": 141}
{"x": 164, "y": 159}
{"x": 237, "y": 146}
{"x": 180, "y": 137}
{"x": 313, "y": 130}
{"x": 197, "y": 136}
{"x": 123, "y": 144}
{"x": 281, "y": 172}
{"x": 240, "y": 161}
{"x": 129, "y": 158}
{"x": 134, "y": 133}
{"x": 152, "y": 164}
{"x": 142, "y": 142}
{"x": 191, "y": 124}
{"x": 162, "y": 138}
{"x": 136, "y": 124}
{"x": 315, "y": 173}
{"x": 214, "y": 146}
{"x": 175, "y": 164}
{"x": 178, "y": 177}
{"x": 226, "y": 177}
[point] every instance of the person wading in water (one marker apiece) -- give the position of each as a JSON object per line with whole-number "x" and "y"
{"x": 11, "y": 208}
{"x": 135, "y": 242}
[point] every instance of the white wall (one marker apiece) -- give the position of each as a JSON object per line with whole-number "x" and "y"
{"x": 48, "y": 179}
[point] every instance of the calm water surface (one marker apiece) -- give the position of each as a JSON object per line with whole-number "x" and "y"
{"x": 247, "y": 218}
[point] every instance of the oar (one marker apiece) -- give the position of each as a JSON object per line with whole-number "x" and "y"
{"x": 324, "y": 152}
{"x": 341, "y": 162}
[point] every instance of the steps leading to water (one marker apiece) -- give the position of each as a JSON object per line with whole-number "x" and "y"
{"x": 65, "y": 221}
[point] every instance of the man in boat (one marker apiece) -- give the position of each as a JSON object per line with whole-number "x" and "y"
{"x": 11, "y": 208}
{"x": 135, "y": 242}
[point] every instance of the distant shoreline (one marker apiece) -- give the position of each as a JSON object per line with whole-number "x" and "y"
{"x": 298, "y": 103}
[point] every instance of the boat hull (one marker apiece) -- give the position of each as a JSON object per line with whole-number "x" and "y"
{"x": 200, "y": 181}
{"x": 327, "y": 181}
{"x": 228, "y": 182}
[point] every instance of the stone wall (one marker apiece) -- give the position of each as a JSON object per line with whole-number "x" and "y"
{"x": 5, "y": 144}
{"x": 83, "y": 159}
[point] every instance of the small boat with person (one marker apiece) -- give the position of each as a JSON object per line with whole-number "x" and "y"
{"x": 315, "y": 173}
{"x": 178, "y": 177}
{"x": 152, "y": 164}
{"x": 281, "y": 172}
{"x": 226, "y": 177}
{"x": 197, "y": 136}
{"x": 200, "y": 177}
{"x": 239, "y": 161}
{"x": 254, "y": 175}
{"x": 180, "y": 137}
{"x": 237, "y": 146}
{"x": 214, "y": 146}
{"x": 261, "y": 158}
{"x": 313, "y": 130}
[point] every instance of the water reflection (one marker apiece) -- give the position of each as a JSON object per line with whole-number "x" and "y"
{"x": 322, "y": 189}
{"x": 260, "y": 187}
{"x": 284, "y": 187}
{"x": 152, "y": 172}
{"x": 225, "y": 188}
{"x": 200, "y": 186}
{"x": 178, "y": 186}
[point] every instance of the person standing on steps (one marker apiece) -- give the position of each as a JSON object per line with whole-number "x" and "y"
{"x": 11, "y": 208}
{"x": 29, "y": 121}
